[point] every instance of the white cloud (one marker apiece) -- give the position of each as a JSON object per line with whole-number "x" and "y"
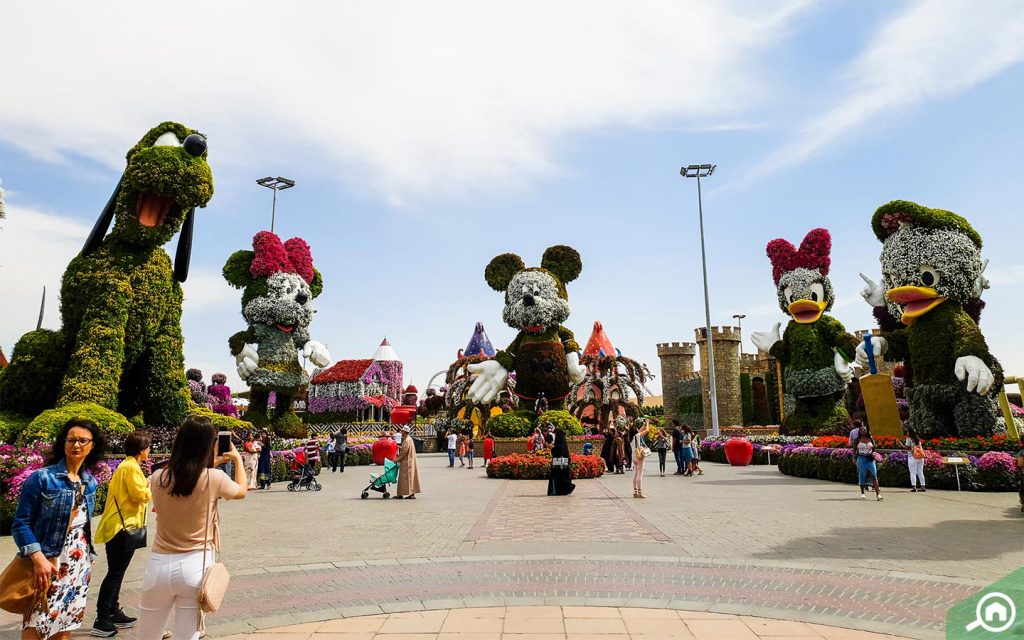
{"x": 407, "y": 99}
{"x": 35, "y": 247}
{"x": 933, "y": 50}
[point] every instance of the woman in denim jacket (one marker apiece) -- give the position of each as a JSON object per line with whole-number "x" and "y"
{"x": 51, "y": 526}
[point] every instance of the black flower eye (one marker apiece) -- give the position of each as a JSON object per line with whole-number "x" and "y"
{"x": 814, "y": 296}
{"x": 929, "y": 276}
{"x": 195, "y": 144}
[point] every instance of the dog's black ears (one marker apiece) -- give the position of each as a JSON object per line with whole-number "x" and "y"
{"x": 183, "y": 254}
{"x": 99, "y": 230}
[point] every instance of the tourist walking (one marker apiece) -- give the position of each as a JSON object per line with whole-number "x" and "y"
{"x": 51, "y": 527}
{"x": 340, "y": 439}
{"x": 185, "y": 498}
{"x": 453, "y": 441}
{"x": 640, "y": 452}
{"x": 265, "y": 474}
{"x": 462, "y": 449}
{"x": 251, "y": 458}
{"x": 661, "y": 445}
{"x": 620, "y": 451}
{"x": 125, "y": 510}
{"x": 686, "y": 449}
{"x": 915, "y": 461}
{"x": 469, "y": 450}
{"x": 607, "y": 453}
{"x": 867, "y": 471}
{"x": 488, "y": 448}
{"x": 560, "y": 480}
{"x": 628, "y": 443}
{"x": 695, "y": 455}
{"x": 408, "y": 472}
{"x": 677, "y": 446}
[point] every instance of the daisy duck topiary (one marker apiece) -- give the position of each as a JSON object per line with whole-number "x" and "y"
{"x": 544, "y": 355}
{"x": 279, "y": 283}
{"x": 815, "y": 349}
{"x": 928, "y": 302}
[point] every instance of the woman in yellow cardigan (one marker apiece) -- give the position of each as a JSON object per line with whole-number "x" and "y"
{"x": 127, "y": 499}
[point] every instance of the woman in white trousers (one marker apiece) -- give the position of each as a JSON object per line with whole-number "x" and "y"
{"x": 915, "y": 461}
{"x": 185, "y": 495}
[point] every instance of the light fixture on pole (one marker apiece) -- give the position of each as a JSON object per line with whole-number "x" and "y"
{"x": 277, "y": 184}
{"x": 703, "y": 171}
{"x": 739, "y": 322}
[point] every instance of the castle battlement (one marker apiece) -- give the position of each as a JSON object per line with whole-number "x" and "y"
{"x": 677, "y": 349}
{"x": 728, "y": 334}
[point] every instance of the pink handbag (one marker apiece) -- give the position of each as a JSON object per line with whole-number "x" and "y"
{"x": 216, "y": 577}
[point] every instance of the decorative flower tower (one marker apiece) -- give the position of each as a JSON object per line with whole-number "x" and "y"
{"x": 613, "y": 386}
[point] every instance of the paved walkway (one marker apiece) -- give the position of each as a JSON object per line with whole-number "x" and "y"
{"x": 734, "y": 541}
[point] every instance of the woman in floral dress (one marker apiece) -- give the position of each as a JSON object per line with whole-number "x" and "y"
{"x": 51, "y": 526}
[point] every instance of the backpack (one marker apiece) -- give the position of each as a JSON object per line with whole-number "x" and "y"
{"x": 917, "y": 451}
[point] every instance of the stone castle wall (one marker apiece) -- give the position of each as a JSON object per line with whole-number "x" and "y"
{"x": 726, "y": 344}
{"x": 676, "y": 366}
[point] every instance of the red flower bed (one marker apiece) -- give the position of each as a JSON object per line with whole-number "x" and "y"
{"x": 518, "y": 466}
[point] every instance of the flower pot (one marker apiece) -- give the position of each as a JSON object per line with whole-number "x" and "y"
{"x": 739, "y": 452}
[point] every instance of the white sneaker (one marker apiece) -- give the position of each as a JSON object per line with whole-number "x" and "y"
{"x": 878, "y": 497}
{"x": 863, "y": 496}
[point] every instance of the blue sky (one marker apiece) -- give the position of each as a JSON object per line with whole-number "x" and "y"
{"x": 426, "y": 140}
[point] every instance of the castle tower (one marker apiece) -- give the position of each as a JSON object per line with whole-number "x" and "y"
{"x": 726, "y": 343}
{"x": 676, "y": 366}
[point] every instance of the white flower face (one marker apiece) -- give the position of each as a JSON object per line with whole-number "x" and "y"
{"x": 804, "y": 284}
{"x": 941, "y": 259}
{"x": 532, "y": 299}
{"x": 288, "y": 302}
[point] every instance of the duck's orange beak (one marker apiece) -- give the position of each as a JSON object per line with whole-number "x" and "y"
{"x": 806, "y": 311}
{"x": 916, "y": 301}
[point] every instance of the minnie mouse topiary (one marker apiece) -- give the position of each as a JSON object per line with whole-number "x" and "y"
{"x": 279, "y": 283}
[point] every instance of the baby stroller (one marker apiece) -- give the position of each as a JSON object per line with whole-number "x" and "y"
{"x": 380, "y": 482}
{"x": 302, "y": 475}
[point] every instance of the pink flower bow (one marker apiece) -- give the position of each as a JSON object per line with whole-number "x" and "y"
{"x": 813, "y": 254}
{"x": 271, "y": 256}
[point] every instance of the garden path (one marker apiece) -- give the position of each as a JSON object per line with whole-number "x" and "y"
{"x": 735, "y": 541}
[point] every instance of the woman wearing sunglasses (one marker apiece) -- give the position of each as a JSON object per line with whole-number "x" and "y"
{"x": 51, "y": 526}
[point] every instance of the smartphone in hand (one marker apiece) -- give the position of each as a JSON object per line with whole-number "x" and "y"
{"x": 223, "y": 442}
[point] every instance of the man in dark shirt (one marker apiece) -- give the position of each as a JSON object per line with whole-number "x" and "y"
{"x": 677, "y": 446}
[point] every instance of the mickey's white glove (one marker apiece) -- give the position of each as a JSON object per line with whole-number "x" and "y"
{"x": 982, "y": 282}
{"x": 576, "y": 371}
{"x": 764, "y": 340}
{"x": 873, "y": 293}
{"x": 845, "y": 369}
{"x": 491, "y": 378}
{"x": 247, "y": 361}
{"x": 317, "y": 353}
{"x": 979, "y": 376}
{"x": 878, "y": 345}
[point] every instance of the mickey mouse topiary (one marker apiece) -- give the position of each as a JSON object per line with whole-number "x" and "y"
{"x": 544, "y": 355}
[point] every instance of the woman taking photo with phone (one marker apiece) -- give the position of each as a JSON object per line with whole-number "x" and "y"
{"x": 185, "y": 494}
{"x": 51, "y": 527}
{"x": 125, "y": 511}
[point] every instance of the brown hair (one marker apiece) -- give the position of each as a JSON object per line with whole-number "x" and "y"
{"x": 191, "y": 454}
{"x": 136, "y": 443}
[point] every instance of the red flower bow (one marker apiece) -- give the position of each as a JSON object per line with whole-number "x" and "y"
{"x": 271, "y": 256}
{"x": 812, "y": 254}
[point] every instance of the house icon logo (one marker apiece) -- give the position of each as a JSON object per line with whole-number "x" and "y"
{"x": 995, "y": 613}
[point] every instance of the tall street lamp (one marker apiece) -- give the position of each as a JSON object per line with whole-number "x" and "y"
{"x": 703, "y": 171}
{"x": 277, "y": 184}
{"x": 739, "y": 321}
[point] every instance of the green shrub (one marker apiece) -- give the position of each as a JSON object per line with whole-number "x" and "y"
{"x": 220, "y": 422}
{"x": 11, "y": 426}
{"x": 47, "y": 424}
{"x": 517, "y": 424}
{"x": 562, "y": 420}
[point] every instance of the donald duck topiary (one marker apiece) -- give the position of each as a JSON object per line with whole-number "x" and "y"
{"x": 931, "y": 285}
{"x": 815, "y": 349}
{"x": 544, "y": 355}
{"x": 279, "y": 283}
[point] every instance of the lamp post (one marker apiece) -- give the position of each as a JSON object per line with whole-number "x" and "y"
{"x": 277, "y": 184}
{"x": 703, "y": 171}
{"x": 739, "y": 321}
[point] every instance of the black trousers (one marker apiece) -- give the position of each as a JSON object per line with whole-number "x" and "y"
{"x": 338, "y": 460}
{"x": 108, "y": 603}
{"x": 662, "y": 454}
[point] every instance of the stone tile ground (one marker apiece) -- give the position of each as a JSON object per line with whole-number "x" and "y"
{"x": 734, "y": 541}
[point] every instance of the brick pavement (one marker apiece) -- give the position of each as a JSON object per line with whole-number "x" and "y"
{"x": 735, "y": 541}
